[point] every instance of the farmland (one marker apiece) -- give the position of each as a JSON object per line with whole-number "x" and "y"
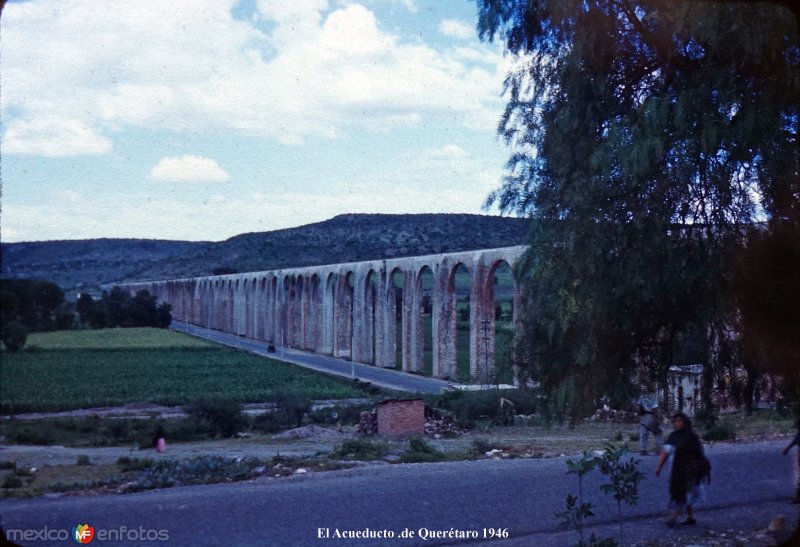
{"x": 83, "y": 369}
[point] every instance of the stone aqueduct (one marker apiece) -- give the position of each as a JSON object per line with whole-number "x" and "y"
{"x": 350, "y": 310}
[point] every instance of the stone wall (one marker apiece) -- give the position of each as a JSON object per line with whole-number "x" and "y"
{"x": 401, "y": 418}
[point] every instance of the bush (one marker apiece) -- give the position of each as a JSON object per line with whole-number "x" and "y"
{"x": 293, "y": 404}
{"x": 480, "y": 447}
{"x": 83, "y": 459}
{"x": 223, "y": 416}
{"x": 14, "y": 335}
{"x": 360, "y": 449}
{"x": 720, "y": 432}
{"x": 339, "y": 414}
{"x": 134, "y": 464}
{"x": 12, "y": 481}
{"x": 420, "y": 451}
{"x": 705, "y": 418}
{"x": 269, "y": 422}
{"x": 470, "y": 407}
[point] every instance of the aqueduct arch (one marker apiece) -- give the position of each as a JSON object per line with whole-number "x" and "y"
{"x": 400, "y": 313}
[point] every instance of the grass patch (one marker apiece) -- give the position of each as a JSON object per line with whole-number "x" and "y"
{"x": 104, "y": 339}
{"x": 82, "y": 369}
{"x": 60, "y": 478}
{"x": 90, "y": 432}
{"x": 361, "y": 449}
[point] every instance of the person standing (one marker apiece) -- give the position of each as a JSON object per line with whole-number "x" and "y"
{"x": 796, "y": 466}
{"x": 159, "y": 440}
{"x": 690, "y": 468}
{"x": 649, "y": 422}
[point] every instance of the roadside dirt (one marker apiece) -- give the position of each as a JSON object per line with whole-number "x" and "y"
{"x": 312, "y": 440}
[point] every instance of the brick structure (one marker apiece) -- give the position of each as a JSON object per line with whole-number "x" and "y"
{"x": 401, "y": 418}
{"x": 358, "y": 311}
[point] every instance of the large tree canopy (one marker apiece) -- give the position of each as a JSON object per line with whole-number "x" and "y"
{"x": 647, "y": 137}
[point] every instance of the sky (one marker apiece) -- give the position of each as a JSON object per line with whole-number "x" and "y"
{"x": 204, "y": 119}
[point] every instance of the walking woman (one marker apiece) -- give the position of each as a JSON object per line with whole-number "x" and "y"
{"x": 690, "y": 469}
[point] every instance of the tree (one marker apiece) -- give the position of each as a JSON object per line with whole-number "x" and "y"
{"x": 35, "y": 302}
{"x": 768, "y": 296}
{"x": 645, "y": 137}
{"x": 113, "y": 306}
{"x": 84, "y": 305}
{"x": 163, "y": 315}
{"x": 9, "y": 305}
{"x": 14, "y": 335}
{"x": 140, "y": 310}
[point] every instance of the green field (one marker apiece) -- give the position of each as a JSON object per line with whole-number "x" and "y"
{"x": 81, "y": 369}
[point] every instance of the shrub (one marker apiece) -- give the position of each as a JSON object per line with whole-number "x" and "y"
{"x": 12, "y": 481}
{"x": 269, "y": 422}
{"x": 360, "y": 449}
{"x": 223, "y": 416}
{"x": 14, "y": 335}
{"x": 420, "y": 451}
{"x": 134, "y": 464}
{"x": 470, "y": 407}
{"x": 29, "y": 435}
{"x": 293, "y": 404}
{"x": 83, "y": 459}
{"x": 480, "y": 447}
{"x": 705, "y": 418}
{"x": 719, "y": 432}
{"x": 339, "y": 414}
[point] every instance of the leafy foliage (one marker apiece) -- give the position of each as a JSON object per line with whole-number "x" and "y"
{"x": 644, "y": 136}
{"x": 13, "y": 335}
{"x": 361, "y": 449}
{"x": 223, "y": 416}
{"x": 576, "y": 510}
{"x": 31, "y": 302}
{"x": 624, "y": 478}
{"x": 421, "y": 451}
{"x": 117, "y": 308}
{"x": 768, "y": 295}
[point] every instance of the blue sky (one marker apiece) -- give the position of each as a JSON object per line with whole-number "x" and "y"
{"x": 203, "y": 119}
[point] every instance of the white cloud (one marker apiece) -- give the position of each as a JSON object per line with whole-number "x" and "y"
{"x": 54, "y": 137}
{"x": 452, "y": 151}
{"x": 457, "y": 29}
{"x": 189, "y": 169}
{"x": 189, "y": 65}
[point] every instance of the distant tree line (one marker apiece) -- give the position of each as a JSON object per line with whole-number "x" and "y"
{"x": 32, "y": 305}
{"x": 118, "y": 308}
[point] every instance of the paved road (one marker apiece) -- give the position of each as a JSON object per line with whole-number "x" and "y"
{"x": 751, "y": 483}
{"x": 388, "y": 378}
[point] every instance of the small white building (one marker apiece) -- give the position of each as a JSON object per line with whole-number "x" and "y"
{"x": 684, "y": 387}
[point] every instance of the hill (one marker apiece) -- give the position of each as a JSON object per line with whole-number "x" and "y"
{"x": 87, "y": 264}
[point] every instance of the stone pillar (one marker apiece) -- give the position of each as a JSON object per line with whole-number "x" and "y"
{"x": 481, "y": 324}
{"x": 445, "y": 332}
{"x": 343, "y": 318}
{"x": 359, "y": 351}
{"x": 384, "y": 329}
{"x": 416, "y": 339}
{"x": 328, "y": 314}
{"x": 387, "y": 354}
